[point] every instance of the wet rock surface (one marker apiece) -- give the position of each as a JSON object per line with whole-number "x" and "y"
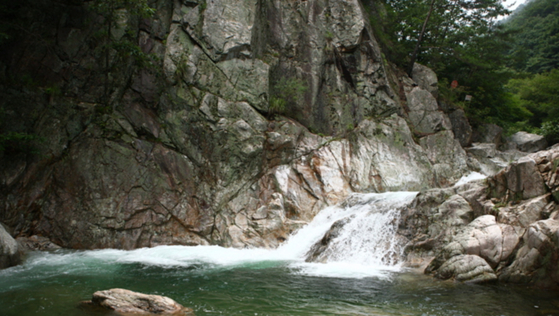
{"x": 10, "y": 254}
{"x": 126, "y": 302}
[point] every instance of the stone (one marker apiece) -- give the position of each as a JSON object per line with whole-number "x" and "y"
{"x": 424, "y": 113}
{"x": 483, "y": 237}
{"x": 449, "y": 159}
{"x": 466, "y": 268}
{"x": 9, "y": 250}
{"x": 461, "y": 127}
{"x": 36, "y": 243}
{"x": 529, "y": 142}
{"x": 489, "y": 133}
{"x": 483, "y": 150}
{"x": 426, "y": 78}
{"x": 519, "y": 181}
{"x": 126, "y": 302}
{"x": 536, "y": 261}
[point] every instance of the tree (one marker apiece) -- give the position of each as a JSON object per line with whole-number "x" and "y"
{"x": 439, "y": 26}
{"x": 535, "y": 30}
{"x": 539, "y": 94}
{"x": 460, "y": 40}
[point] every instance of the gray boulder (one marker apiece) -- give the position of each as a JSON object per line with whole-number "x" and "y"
{"x": 536, "y": 261}
{"x": 483, "y": 150}
{"x": 461, "y": 127}
{"x": 36, "y": 242}
{"x": 126, "y": 302}
{"x": 466, "y": 268}
{"x": 489, "y": 133}
{"x": 529, "y": 143}
{"x": 519, "y": 181}
{"x": 426, "y": 78}
{"x": 424, "y": 113}
{"x": 9, "y": 252}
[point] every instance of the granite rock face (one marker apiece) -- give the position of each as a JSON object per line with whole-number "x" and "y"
{"x": 191, "y": 149}
{"x": 503, "y": 227}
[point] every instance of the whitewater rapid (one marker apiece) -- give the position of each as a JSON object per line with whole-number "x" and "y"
{"x": 371, "y": 221}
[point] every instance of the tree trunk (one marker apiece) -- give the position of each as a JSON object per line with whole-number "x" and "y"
{"x": 417, "y": 46}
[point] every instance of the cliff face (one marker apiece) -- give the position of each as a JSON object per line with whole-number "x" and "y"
{"x": 247, "y": 118}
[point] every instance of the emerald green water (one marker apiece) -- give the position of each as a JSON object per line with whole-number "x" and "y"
{"x": 54, "y": 284}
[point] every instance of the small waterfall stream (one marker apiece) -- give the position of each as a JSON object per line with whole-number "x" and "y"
{"x": 362, "y": 231}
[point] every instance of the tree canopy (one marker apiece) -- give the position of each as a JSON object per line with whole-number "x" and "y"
{"x": 535, "y": 48}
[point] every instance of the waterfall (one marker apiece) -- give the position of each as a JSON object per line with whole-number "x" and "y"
{"x": 361, "y": 230}
{"x": 354, "y": 239}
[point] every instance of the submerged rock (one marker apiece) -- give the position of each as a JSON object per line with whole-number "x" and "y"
{"x": 126, "y": 302}
{"x": 36, "y": 243}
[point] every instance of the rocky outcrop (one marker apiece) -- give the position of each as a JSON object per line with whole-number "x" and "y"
{"x": 36, "y": 243}
{"x": 466, "y": 268}
{"x": 426, "y": 78}
{"x": 527, "y": 142}
{"x": 461, "y": 127}
{"x": 10, "y": 254}
{"x": 536, "y": 261}
{"x": 126, "y": 302}
{"x": 488, "y": 133}
{"x": 504, "y": 227}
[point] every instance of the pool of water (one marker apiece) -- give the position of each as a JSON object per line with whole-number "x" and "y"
{"x": 361, "y": 275}
{"x": 54, "y": 283}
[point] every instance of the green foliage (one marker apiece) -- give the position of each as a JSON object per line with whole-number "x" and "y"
{"x": 285, "y": 91}
{"x": 550, "y": 130}
{"x": 461, "y": 42}
{"x": 540, "y": 95}
{"x": 277, "y": 105}
{"x": 453, "y": 25}
{"x": 535, "y": 30}
{"x": 108, "y": 8}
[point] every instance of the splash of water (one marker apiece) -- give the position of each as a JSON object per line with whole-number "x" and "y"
{"x": 365, "y": 246}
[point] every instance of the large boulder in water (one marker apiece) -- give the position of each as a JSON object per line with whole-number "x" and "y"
{"x": 9, "y": 253}
{"x": 127, "y": 302}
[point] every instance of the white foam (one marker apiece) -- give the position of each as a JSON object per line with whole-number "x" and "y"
{"x": 470, "y": 177}
{"x": 371, "y": 221}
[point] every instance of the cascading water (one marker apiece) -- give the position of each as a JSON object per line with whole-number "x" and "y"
{"x": 371, "y": 220}
{"x": 360, "y": 237}
{"x": 355, "y": 272}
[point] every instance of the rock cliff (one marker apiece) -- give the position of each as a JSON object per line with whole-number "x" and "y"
{"x": 249, "y": 117}
{"x": 234, "y": 123}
